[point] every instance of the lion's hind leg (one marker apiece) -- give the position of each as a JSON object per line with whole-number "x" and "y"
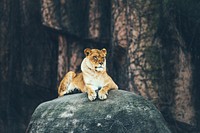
{"x": 66, "y": 85}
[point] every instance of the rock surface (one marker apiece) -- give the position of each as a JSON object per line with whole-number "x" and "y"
{"x": 122, "y": 112}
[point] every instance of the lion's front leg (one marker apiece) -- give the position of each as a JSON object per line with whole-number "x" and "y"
{"x": 103, "y": 92}
{"x": 91, "y": 93}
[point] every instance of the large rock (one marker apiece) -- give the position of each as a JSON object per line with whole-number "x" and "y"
{"x": 122, "y": 112}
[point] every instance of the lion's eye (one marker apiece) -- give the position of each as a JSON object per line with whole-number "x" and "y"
{"x": 94, "y": 57}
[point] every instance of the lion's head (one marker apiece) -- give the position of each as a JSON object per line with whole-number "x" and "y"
{"x": 96, "y": 59}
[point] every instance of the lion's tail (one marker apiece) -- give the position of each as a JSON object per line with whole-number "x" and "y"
{"x": 62, "y": 89}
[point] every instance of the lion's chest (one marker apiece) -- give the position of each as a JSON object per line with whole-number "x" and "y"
{"x": 95, "y": 81}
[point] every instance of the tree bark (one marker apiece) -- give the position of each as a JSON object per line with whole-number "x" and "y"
{"x": 177, "y": 77}
{"x": 134, "y": 36}
{"x": 28, "y": 63}
{"x": 147, "y": 66}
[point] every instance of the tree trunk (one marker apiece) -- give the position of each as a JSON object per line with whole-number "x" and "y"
{"x": 134, "y": 37}
{"x": 157, "y": 68}
{"x": 177, "y": 76}
{"x": 28, "y": 64}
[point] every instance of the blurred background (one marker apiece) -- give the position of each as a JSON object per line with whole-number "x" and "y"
{"x": 153, "y": 50}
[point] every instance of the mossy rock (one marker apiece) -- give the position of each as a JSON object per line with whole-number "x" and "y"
{"x": 122, "y": 112}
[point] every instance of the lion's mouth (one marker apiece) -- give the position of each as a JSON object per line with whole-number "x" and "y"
{"x": 99, "y": 68}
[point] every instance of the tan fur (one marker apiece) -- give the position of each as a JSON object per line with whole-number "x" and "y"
{"x": 92, "y": 77}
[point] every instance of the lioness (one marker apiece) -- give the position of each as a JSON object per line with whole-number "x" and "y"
{"x": 92, "y": 77}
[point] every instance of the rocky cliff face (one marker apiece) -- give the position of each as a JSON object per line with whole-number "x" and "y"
{"x": 121, "y": 112}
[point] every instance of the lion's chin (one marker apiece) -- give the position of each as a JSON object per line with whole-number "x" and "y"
{"x": 99, "y": 69}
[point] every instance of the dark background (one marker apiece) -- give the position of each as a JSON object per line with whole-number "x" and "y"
{"x": 153, "y": 50}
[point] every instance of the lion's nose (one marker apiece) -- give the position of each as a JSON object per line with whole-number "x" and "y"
{"x": 101, "y": 63}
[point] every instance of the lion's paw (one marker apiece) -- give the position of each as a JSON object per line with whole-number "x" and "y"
{"x": 68, "y": 91}
{"x": 92, "y": 96}
{"x": 102, "y": 95}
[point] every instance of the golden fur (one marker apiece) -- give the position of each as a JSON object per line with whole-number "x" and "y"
{"x": 92, "y": 77}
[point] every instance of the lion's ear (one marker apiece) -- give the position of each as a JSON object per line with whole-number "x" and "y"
{"x": 104, "y": 51}
{"x": 87, "y": 51}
